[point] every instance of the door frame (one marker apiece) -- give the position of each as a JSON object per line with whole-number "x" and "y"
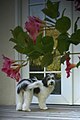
{"x": 69, "y": 94}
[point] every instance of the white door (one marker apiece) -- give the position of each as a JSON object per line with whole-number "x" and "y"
{"x": 76, "y": 79}
{"x": 76, "y": 72}
{"x": 67, "y": 90}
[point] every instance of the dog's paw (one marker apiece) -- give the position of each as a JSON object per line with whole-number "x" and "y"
{"x": 26, "y": 110}
{"x": 45, "y": 108}
{"x": 19, "y": 107}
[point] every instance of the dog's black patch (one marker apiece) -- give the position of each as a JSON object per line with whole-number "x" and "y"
{"x": 22, "y": 84}
{"x": 44, "y": 81}
{"x": 22, "y": 87}
{"x": 36, "y": 90}
{"x": 23, "y": 80}
{"x": 18, "y": 90}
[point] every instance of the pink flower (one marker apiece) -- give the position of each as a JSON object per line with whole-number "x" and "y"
{"x": 7, "y": 64}
{"x": 33, "y": 26}
{"x": 10, "y": 68}
{"x": 14, "y": 73}
{"x": 69, "y": 66}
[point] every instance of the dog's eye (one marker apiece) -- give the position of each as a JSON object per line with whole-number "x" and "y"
{"x": 48, "y": 78}
{"x": 53, "y": 78}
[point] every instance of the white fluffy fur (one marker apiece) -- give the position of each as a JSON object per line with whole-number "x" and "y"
{"x": 24, "y": 98}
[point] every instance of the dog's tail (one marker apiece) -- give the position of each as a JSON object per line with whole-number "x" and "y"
{"x": 34, "y": 85}
{"x": 26, "y": 85}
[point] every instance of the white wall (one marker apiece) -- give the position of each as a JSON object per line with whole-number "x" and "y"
{"x": 7, "y": 21}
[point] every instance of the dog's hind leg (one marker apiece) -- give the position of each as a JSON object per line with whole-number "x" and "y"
{"x": 28, "y": 94}
{"x": 19, "y": 101}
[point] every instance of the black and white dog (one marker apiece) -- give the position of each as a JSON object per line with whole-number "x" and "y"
{"x": 26, "y": 88}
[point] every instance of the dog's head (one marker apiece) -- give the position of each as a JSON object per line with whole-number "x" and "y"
{"x": 49, "y": 80}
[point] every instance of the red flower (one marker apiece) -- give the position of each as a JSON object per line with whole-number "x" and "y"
{"x": 33, "y": 26}
{"x": 77, "y": 5}
{"x": 14, "y": 73}
{"x": 10, "y": 68}
{"x": 7, "y": 64}
{"x": 69, "y": 66}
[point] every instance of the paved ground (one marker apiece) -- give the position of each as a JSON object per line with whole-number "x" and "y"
{"x": 55, "y": 112}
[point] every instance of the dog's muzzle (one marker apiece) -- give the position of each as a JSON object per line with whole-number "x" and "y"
{"x": 51, "y": 83}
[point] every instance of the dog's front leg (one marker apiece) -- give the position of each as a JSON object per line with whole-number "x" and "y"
{"x": 42, "y": 103}
{"x": 28, "y": 94}
{"x": 19, "y": 102}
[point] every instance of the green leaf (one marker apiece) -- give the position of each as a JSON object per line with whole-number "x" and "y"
{"x": 19, "y": 36}
{"x": 52, "y": 9}
{"x": 29, "y": 51}
{"x": 20, "y": 39}
{"x": 25, "y": 49}
{"x": 39, "y": 46}
{"x": 63, "y": 24}
{"x": 63, "y": 43}
{"x": 12, "y": 40}
{"x": 47, "y": 59}
{"x": 20, "y": 49}
{"x": 23, "y": 41}
{"x": 75, "y": 37}
{"x": 16, "y": 31}
{"x": 78, "y": 64}
{"x": 39, "y": 38}
{"x": 49, "y": 4}
{"x": 34, "y": 55}
{"x": 44, "y": 44}
{"x": 48, "y": 44}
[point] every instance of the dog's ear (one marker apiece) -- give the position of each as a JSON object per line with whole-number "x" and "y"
{"x": 55, "y": 74}
{"x": 52, "y": 74}
{"x": 44, "y": 81}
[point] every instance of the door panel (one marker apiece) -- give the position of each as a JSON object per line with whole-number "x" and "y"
{"x": 76, "y": 72}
